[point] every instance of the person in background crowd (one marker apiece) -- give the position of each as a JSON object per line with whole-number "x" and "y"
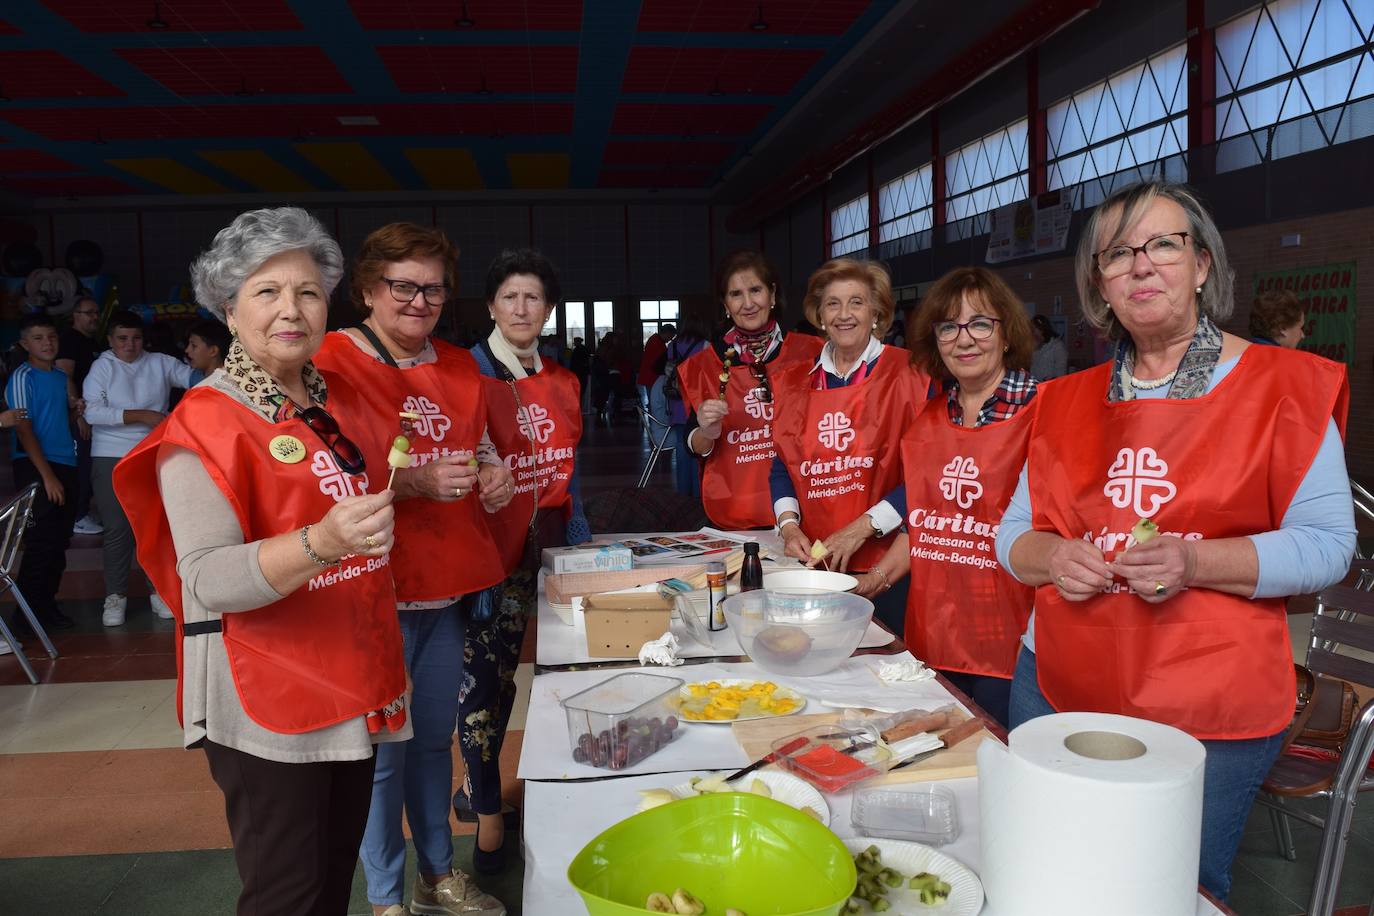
{"x": 1051, "y": 357}
{"x": 841, "y": 422}
{"x": 963, "y": 618}
{"x": 606, "y": 376}
{"x": 1239, "y": 471}
{"x": 1277, "y": 319}
{"x": 652, "y": 360}
{"x": 403, "y": 276}
{"x": 127, "y": 393}
{"x": 580, "y": 362}
{"x": 207, "y": 345}
{"x": 289, "y": 667}
{"x": 76, "y": 351}
{"x": 667, "y": 391}
{"x": 535, "y": 420}
{"x": 43, "y": 452}
{"x": 730, "y": 427}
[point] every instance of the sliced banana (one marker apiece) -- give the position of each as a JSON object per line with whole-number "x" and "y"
{"x": 654, "y": 798}
{"x": 811, "y": 812}
{"x": 761, "y": 788}
{"x": 712, "y": 784}
{"x": 687, "y": 904}
{"x": 659, "y": 903}
{"x": 731, "y": 911}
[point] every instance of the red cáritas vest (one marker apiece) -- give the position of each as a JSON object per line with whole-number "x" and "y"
{"x": 841, "y": 446}
{"x": 331, "y": 650}
{"x": 734, "y": 481}
{"x": 535, "y": 423}
{"x": 443, "y": 549}
{"x": 963, "y": 611}
{"x": 1223, "y": 465}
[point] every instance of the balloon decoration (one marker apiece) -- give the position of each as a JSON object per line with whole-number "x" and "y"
{"x": 52, "y": 290}
{"x": 84, "y": 258}
{"x": 21, "y": 259}
{"x": 27, "y": 286}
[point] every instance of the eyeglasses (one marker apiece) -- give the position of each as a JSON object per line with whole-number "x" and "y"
{"x": 765, "y": 390}
{"x": 1161, "y": 250}
{"x": 349, "y": 456}
{"x": 979, "y": 327}
{"x": 405, "y": 291}
{"x": 89, "y": 313}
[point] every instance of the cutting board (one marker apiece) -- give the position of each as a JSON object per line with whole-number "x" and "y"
{"x": 756, "y": 737}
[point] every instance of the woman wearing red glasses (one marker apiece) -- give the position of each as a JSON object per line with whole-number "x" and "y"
{"x": 445, "y": 561}
{"x": 254, "y": 518}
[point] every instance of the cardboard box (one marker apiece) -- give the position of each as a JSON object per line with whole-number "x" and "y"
{"x": 588, "y": 558}
{"x": 618, "y": 624}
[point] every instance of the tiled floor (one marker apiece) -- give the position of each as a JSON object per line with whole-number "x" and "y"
{"x": 101, "y": 811}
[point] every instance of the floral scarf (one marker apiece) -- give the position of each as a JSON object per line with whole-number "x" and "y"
{"x": 1194, "y": 372}
{"x": 755, "y": 346}
{"x": 262, "y": 390}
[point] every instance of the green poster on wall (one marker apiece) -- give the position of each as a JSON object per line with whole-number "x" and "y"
{"x": 1327, "y": 296}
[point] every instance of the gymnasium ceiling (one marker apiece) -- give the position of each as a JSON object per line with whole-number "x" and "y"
{"x": 203, "y": 97}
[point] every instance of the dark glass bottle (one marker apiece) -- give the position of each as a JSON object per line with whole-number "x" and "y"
{"x": 751, "y": 573}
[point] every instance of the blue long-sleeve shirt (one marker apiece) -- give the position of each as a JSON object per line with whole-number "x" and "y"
{"x": 1310, "y": 549}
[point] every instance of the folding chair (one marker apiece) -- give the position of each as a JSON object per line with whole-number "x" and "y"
{"x": 1341, "y": 645}
{"x": 14, "y": 519}
{"x": 1364, "y": 505}
{"x": 658, "y": 433}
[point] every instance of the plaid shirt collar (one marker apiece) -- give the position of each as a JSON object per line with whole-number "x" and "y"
{"x": 1015, "y": 391}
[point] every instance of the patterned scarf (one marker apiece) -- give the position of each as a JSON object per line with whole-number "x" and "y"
{"x": 262, "y": 390}
{"x": 755, "y": 346}
{"x": 1194, "y": 370}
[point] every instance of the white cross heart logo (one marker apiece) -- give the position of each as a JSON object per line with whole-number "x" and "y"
{"x": 534, "y": 423}
{"x": 835, "y": 430}
{"x": 960, "y": 481}
{"x": 433, "y": 422}
{"x": 1136, "y": 480}
{"x": 334, "y": 481}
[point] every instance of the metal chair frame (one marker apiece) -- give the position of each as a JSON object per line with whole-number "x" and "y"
{"x": 14, "y": 520}
{"x": 1337, "y": 624}
{"x": 660, "y": 444}
{"x": 1364, "y": 505}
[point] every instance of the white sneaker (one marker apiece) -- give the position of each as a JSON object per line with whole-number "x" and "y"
{"x": 113, "y": 615}
{"x": 87, "y": 525}
{"x": 160, "y": 607}
{"x": 5, "y": 647}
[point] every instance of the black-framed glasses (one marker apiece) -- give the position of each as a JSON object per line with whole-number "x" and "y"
{"x": 349, "y": 456}
{"x": 405, "y": 291}
{"x": 1161, "y": 250}
{"x": 765, "y": 390}
{"x": 979, "y": 327}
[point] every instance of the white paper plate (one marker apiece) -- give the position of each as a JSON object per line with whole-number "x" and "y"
{"x": 809, "y": 580}
{"x": 786, "y": 692}
{"x": 966, "y": 891}
{"x": 787, "y": 789}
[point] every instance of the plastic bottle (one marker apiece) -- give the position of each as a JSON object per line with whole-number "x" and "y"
{"x": 715, "y": 583}
{"x": 751, "y": 573}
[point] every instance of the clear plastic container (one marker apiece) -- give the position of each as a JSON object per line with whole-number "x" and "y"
{"x": 834, "y": 758}
{"x": 623, "y": 720}
{"x": 924, "y": 814}
{"x": 798, "y": 632}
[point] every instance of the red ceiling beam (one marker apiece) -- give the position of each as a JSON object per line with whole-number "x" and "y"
{"x": 1031, "y": 25}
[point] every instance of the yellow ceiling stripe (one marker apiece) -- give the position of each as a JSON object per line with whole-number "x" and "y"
{"x": 446, "y": 169}
{"x": 258, "y": 169}
{"x": 350, "y": 164}
{"x": 171, "y": 174}
{"x": 538, "y": 170}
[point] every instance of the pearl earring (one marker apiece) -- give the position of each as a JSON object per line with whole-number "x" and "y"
{"x": 875, "y": 325}
{"x": 1198, "y": 290}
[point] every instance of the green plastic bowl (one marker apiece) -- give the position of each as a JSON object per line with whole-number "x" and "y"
{"x": 728, "y": 850}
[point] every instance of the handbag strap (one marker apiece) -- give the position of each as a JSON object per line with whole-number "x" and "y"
{"x": 377, "y": 345}
{"x": 1308, "y": 685}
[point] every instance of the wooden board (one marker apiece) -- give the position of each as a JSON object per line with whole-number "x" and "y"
{"x": 561, "y": 588}
{"x": 756, "y": 737}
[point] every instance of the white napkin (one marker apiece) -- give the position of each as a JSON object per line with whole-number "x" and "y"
{"x": 908, "y": 670}
{"x": 857, "y": 684}
{"x": 661, "y": 651}
{"x": 916, "y": 744}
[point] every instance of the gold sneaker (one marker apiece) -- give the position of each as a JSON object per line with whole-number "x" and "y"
{"x": 456, "y": 895}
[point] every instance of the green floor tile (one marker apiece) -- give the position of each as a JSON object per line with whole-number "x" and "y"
{"x": 1259, "y": 854}
{"x": 69, "y": 884}
{"x": 1252, "y": 896}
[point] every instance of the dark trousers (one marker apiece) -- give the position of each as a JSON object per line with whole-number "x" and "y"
{"x": 296, "y": 829}
{"x": 993, "y": 694}
{"x": 46, "y": 539}
{"x": 83, "y": 475}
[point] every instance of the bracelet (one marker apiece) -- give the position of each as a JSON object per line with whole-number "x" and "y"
{"x": 785, "y": 522}
{"x": 310, "y": 551}
{"x": 878, "y": 570}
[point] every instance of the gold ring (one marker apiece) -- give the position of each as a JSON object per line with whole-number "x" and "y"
{"x": 1160, "y": 588}
{"x": 458, "y": 492}
{"x": 1060, "y": 580}
{"x": 370, "y": 541}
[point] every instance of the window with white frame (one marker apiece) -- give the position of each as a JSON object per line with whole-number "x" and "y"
{"x": 603, "y": 318}
{"x": 550, "y": 324}
{"x": 576, "y": 324}
{"x": 653, "y": 314}
{"x": 1125, "y": 123}
{"x": 905, "y": 208}
{"x": 1292, "y": 76}
{"x": 987, "y": 173}
{"x": 849, "y": 227}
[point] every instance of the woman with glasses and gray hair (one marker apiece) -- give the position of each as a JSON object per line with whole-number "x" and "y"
{"x": 251, "y": 508}
{"x": 391, "y": 371}
{"x": 1172, "y": 499}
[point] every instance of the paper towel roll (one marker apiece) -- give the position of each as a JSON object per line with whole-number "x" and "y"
{"x": 1089, "y": 813}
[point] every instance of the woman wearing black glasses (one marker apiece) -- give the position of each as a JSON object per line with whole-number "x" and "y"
{"x": 253, "y": 517}
{"x": 960, "y": 463}
{"x": 445, "y": 559}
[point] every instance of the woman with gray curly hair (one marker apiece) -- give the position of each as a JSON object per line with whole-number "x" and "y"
{"x": 1172, "y": 499}
{"x": 253, "y": 516}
